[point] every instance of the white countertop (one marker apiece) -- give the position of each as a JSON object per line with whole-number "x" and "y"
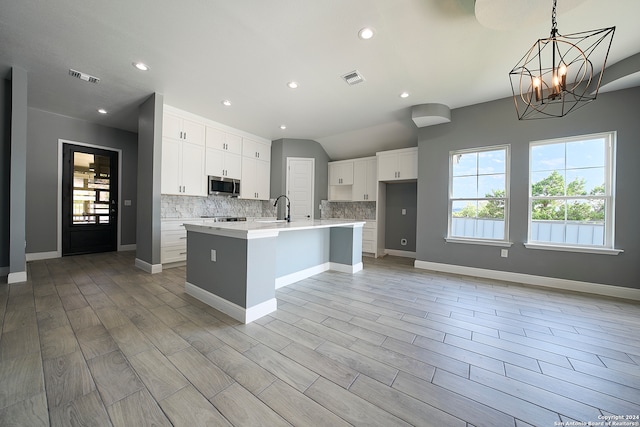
{"x": 264, "y": 228}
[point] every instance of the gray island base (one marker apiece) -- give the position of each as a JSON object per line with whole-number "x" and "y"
{"x": 237, "y": 267}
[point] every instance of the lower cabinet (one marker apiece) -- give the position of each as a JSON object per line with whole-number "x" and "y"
{"x": 369, "y": 238}
{"x": 173, "y": 241}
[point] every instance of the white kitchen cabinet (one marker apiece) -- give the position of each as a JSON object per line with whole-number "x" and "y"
{"x": 182, "y": 129}
{"x": 256, "y": 170}
{"x": 369, "y": 238}
{"x": 183, "y": 156}
{"x": 183, "y": 168}
{"x": 398, "y": 165}
{"x": 341, "y": 173}
{"x": 365, "y": 182}
{"x": 256, "y": 150}
{"x": 255, "y": 182}
{"x": 173, "y": 241}
{"x": 224, "y": 154}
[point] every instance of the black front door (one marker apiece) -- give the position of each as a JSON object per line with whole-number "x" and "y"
{"x": 89, "y": 200}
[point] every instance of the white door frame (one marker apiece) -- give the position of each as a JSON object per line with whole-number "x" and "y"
{"x": 313, "y": 181}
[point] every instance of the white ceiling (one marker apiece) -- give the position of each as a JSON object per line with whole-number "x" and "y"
{"x": 203, "y": 51}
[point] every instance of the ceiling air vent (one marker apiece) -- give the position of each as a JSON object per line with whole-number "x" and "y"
{"x": 83, "y": 76}
{"x": 353, "y": 78}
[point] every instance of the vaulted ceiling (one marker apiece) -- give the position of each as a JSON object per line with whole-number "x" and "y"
{"x": 201, "y": 52}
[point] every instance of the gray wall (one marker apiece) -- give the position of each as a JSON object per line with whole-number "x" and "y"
{"x": 148, "y": 184}
{"x": 397, "y": 226}
{"x": 5, "y": 161}
{"x": 44, "y": 130}
{"x": 496, "y": 123}
{"x": 283, "y": 148}
{"x": 18, "y": 173}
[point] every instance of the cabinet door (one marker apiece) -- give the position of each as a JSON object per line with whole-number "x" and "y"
{"x": 170, "y": 181}
{"x": 263, "y": 176}
{"x": 193, "y": 132}
{"x": 193, "y": 172}
{"x": 387, "y": 167}
{"x": 341, "y": 173}
{"x": 233, "y": 165}
{"x": 214, "y": 165}
{"x": 233, "y": 143}
{"x": 408, "y": 165}
{"x": 248, "y": 187}
{"x": 171, "y": 126}
{"x": 215, "y": 138}
{"x": 372, "y": 179}
{"x": 359, "y": 189}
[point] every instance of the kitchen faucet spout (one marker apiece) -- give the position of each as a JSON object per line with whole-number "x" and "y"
{"x": 288, "y": 217}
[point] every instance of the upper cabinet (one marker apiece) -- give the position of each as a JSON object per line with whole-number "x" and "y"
{"x": 183, "y": 129}
{"x": 398, "y": 165}
{"x": 183, "y": 156}
{"x": 256, "y": 170}
{"x": 365, "y": 182}
{"x": 224, "y": 154}
{"x": 341, "y": 173}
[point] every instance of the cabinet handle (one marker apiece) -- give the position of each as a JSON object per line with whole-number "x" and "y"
{"x": 183, "y": 238}
{"x": 185, "y": 135}
{"x": 183, "y": 253}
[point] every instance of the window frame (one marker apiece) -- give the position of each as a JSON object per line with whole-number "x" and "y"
{"x": 608, "y": 246}
{"x": 504, "y": 242}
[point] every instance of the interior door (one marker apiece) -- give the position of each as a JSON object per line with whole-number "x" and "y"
{"x": 89, "y": 200}
{"x": 300, "y": 187}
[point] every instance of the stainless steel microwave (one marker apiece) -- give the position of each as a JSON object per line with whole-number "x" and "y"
{"x": 224, "y": 186}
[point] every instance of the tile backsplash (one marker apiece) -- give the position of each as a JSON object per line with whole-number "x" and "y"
{"x": 196, "y": 207}
{"x": 348, "y": 210}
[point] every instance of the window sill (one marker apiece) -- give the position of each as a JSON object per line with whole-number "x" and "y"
{"x": 500, "y": 243}
{"x": 582, "y": 249}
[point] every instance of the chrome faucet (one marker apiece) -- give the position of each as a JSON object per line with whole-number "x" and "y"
{"x": 288, "y": 217}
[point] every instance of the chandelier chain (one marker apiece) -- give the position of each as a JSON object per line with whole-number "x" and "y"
{"x": 554, "y": 24}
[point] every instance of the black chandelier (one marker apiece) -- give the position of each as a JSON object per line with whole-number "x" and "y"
{"x": 556, "y": 76}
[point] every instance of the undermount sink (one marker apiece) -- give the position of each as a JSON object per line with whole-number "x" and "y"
{"x": 271, "y": 220}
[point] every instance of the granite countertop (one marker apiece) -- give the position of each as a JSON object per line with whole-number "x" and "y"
{"x": 265, "y": 227}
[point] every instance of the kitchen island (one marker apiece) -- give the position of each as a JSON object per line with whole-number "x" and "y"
{"x": 236, "y": 267}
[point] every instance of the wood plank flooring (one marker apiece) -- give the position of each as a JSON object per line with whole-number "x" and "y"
{"x": 91, "y": 340}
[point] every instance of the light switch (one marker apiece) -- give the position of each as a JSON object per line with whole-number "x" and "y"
{"x": 404, "y": 211}
{"x": 213, "y": 255}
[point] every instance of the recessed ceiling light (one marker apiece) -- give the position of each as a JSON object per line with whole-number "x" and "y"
{"x": 102, "y": 111}
{"x": 404, "y": 95}
{"x": 283, "y": 127}
{"x": 292, "y": 85}
{"x": 365, "y": 33}
{"x": 141, "y": 66}
{"x": 226, "y": 103}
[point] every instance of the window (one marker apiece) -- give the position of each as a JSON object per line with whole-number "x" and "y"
{"x": 571, "y": 189}
{"x": 479, "y": 195}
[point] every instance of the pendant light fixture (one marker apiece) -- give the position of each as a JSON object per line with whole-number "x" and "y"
{"x": 560, "y": 74}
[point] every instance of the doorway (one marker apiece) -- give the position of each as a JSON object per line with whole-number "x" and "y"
{"x": 300, "y": 187}
{"x": 89, "y": 200}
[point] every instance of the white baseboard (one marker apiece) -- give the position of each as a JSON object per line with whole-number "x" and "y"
{"x": 17, "y": 277}
{"x": 528, "y": 279}
{"x": 149, "y": 268}
{"x": 346, "y": 268}
{"x": 396, "y": 252}
{"x": 241, "y": 314}
{"x": 301, "y": 275}
{"x": 36, "y": 256}
{"x": 123, "y": 248}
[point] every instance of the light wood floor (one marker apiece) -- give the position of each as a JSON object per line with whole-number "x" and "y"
{"x": 91, "y": 340}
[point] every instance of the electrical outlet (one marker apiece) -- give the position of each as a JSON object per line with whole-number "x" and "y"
{"x": 213, "y": 255}
{"x": 127, "y": 202}
{"x": 504, "y": 253}
{"x": 404, "y": 211}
